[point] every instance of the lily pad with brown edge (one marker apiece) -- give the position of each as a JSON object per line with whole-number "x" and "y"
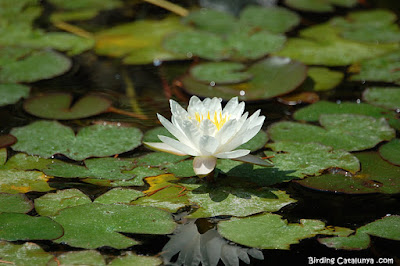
{"x": 387, "y": 228}
{"x": 272, "y": 77}
{"x": 96, "y": 225}
{"x": 299, "y": 98}
{"x": 37, "y": 66}
{"x": 7, "y": 140}
{"x": 309, "y": 158}
{"x": 220, "y": 72}
{"x": 59, "y": 106}
{"x": 139, "y": 42}
{"x": 340, "y": 131}
{"x": 318, "y": 5}
{"x": 119, "y": 195}
{"x": 46, "y": 138}
{"x": 391, "y": 151}
{"x": 17, "y": 181}
{"x": 312, "y": 112}
{"x": 324, "y": 78}
{"x": 376, "y": 176}
{"x": 17, "y": 203}
{"x": 386, "y": 97}
{"x": 18, "y": 226}
{"x": 24, "y": 254}
{"x": 12, "y": 93}
{"x": 130, "y": 258}
{"x": 82, "y": 257}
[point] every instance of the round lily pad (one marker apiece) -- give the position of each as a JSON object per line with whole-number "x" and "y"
{"x": 391, "y": 151}
{"x": 220, "y": 72}
{"x": 319, "y": 5}
{"x": 18, "y": 203}
{"x": 11, "y": 93}
{"x": 58, "y": 106}
{"x": 386, "y": 97}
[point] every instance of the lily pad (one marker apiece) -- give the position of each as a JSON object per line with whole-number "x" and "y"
{"x": 211, "y": 20}
{"x": 38, "y": 65}
{"x": 7, "y": 140}
{"x": 158, "y": 158}
{"x": 17, "y": 226}
{"x": 51, "y": 203}
{"x": 26, "y": 254}
{"x": 17, "y": 181}
{"x": 12, "y": 93}
{"x": 3, "y": 156}
{"x": 324, "y": 78}
{"x": 341, "y": 131}
{"x": 18, "y": 203}
{"x": 119, "y": 195}
{"x": 58, "y": 106}
{"x": 46, "y": 138}
{"x": 84, "y": 257}
{"x": 310, "y": 158}
{"x": 272, "y": 77}
{"x": 386, "y": 97}
{"x": 268, "y": 231}
{"x": 130, "y": 258}
{"x": 220, "y": 72}
{"x": 22, "y": 161}
{"x": 96, "y": 225}
{"x": 319, "y": 5}
{"x": 376, "y": 176}
{"x": 391, "y": 151}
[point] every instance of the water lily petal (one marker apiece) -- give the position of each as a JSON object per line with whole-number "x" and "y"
{"x": 232, "y": 154}
{"x": 174, "y": 130}
{"x": 227, "y": 131}
{"x": 254, "y": 160}
{"x": 208, "y": 145}
{"x": 230, "y": 106}
{"x": 195, "y": 105}
{"x": 207, "y": 127}
{"x": 160, "y": 146}
{"x": 176, "y": 109}
{"x": 179, "y": 146}
{"x": 203, "y": 165}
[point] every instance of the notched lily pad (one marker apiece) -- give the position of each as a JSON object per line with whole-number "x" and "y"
{"x": 318, "y": 5}
{"x": 12, "y": 93}
{"x": 18, "y": 203}
{"x": 58, "y": 106}
{"x": 386, "y": 97}
{"x": 391, "y": 151}
{"x": 46, "y": 138}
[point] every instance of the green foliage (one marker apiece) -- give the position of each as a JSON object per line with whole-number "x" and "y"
{"x": 220, "y": 72}
{"x": 324, "y": 78}
{"x": 130, "y": 258}
{"x": 18, "y": 181}
{"x": 386, "y": 97}
{"x": 119, "y": 195}
{"x": 18, "y": 203}
{"x": 319, "y": 5}
{"x": 12, "y": 93}
{"x": 391, "y": 151}
{"x": 25, "y": 254}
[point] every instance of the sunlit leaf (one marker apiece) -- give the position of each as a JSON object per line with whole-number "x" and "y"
{"x": 96, "y": 225}
{"x": 220, "y": 72}
{"x": 46, "y": 138}
{"x": 319, "y": 5}
{"x": 84, "y": 257}
{"x": 130, "y": 258}
{"x": 386, "y": 97}
{"x": 119, "y": 195}
{"x": 26, "y": 254}
{"x": 18, "y": 203}
{"x": 391, "y": 151}
{"x": 12, "y": 93}
{"x": 17, "y": 181}
{"x": 324, "y": 78}
{"x": 59, "y": 106}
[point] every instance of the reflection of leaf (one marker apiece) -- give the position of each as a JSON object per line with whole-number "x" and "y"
{"x": 386, "y": 97}
{"x": 46, "y": 138}
{"x": 11, "y": 93}
{"x": 26, "y": 254}
{"x": 16, "y": 181}
{"x": 319, "y": 5}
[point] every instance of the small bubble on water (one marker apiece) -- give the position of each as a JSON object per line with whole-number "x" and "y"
{"x": 212, "y": 83}
{"x": 242, "y": 93}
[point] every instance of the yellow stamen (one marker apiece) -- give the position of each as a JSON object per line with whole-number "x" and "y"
{"x": 218, "y": 120}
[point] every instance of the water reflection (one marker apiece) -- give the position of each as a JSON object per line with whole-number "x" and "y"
{"x": 207, "y": 248}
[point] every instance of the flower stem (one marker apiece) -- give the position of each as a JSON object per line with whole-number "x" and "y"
{"x": 170, "y": 6}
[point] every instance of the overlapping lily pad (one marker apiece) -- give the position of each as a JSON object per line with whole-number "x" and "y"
{"x": 25, "y": 254}
{"x": 391, "y": 151}
{"x": 96, "y": 225}
{"x": 386, "y": 97}
{"x": 272, "y": 77}
{"x": 376, "y": 176}
{"x": 119, "y": 195}
{"x": 18, "y": 203}
{"x": 84, "y": 257}
{"x": 220, "y": 72}
{"x": 12, "y": 93}
{"x": 7, "y": 140}
{"x": 341, "y": 131}
{"x": 211, "y": 20}
{"x": 58, "y": 106}
{"x": 46, "y": 138}
{"x": 22, "y": 161}
{"x": 17, "y": 181}
{"x": 310, "y": 158}
{"x": 318, "y": 5}
{"x": 324, "y": 78}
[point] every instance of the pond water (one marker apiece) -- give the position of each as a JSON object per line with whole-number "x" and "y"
{"x": 330, "y": 130}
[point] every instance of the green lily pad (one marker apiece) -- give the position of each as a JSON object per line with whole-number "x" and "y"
{"x": 3, "y": 156}
{"x": 324, "y": 78}
{"x": 385, "y": 228}
{"x": 139, "y": 42}
{"x": 17, "y": 181}
{"x": 256, "y": 143}
{"x": 322, "y": 45}
{"x": 211, "y": 20}
{"x": 341, "y": 131}
{"x": 18, "y": 203}
{"x": 17, "y": 226}
{"x": 312, "y": 112}
{"x": 158, "y": 158}
{"x": 12, "y": 93}
{"x": 272, "y": 77}
{"x": 119, "y": 195}
{"x": 38, "y": 65}
{"x": 26, "y": 254}
{"x": 220, "y": 72}
{"x": 383, "y": 68}
{"x": 84, "y": 257}
{"x": 268, "y": 231}
{"x": 319, "y": 5}
{"x": 51, "y": 203}
{"x": 7, "y": 140}
{"x": 274, "y": 19}
{"x": 96, "y": 225}
{"x": 58, "y": 106}
{"x": 22, "y": 161}
{"x": 391, "y": 151}
{"x": 386, "y": 97}
{"x": 46, "y": 138}
{"x": 181, "y": 169}
{"x": 130, "y": 258}
{"x": 376, "y": 176}
{"x": 310, "y": 158}
{"x": 9, "y": 54}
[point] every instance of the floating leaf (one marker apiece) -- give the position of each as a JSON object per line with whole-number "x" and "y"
{"x": 256, "y": 143}
{"x": 58, "y": 106}
{"x": 118, "y": 195}
{"x": 7, "y": 140}
{"x": 376, "y": 176}
{"x": 17, "y": 181}
{"x": 298, "y": 98}
{"x": 341, "y": 131}
{"x": 220, "y": 72}
{"x": 310, "y": 158}
{"x": 39, "y": 65}
{"x": 318, "y": 5}
{"x": 96, "y": 225}
{"x": 268, "y": 231}
{"x": 12, "y": 93}
{"x": 18, "y": 203}
{"x": 130, "y": 258}
{"x": 272, "y": 77}
{"x": 386, "y": 97}
{"x": 17, "y": 226}
{"x": 84, "y": 257}
{"x": 26, "y": 254}
{"x": 211, "y": 20}
{"x": 158, "y": 158}
{"x": 3, "y": 156}
{"x": 22, "y": 161}
{"x": 391, "y": 151}
{"x": 324, "y": 78}
{"x": 46, "y": 138}
{"x": 51, "y": 203}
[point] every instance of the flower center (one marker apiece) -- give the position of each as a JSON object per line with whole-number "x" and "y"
{"x": 217, "y": 119}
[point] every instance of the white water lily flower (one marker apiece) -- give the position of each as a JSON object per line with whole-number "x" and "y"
{"x": 207, "y": 132}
